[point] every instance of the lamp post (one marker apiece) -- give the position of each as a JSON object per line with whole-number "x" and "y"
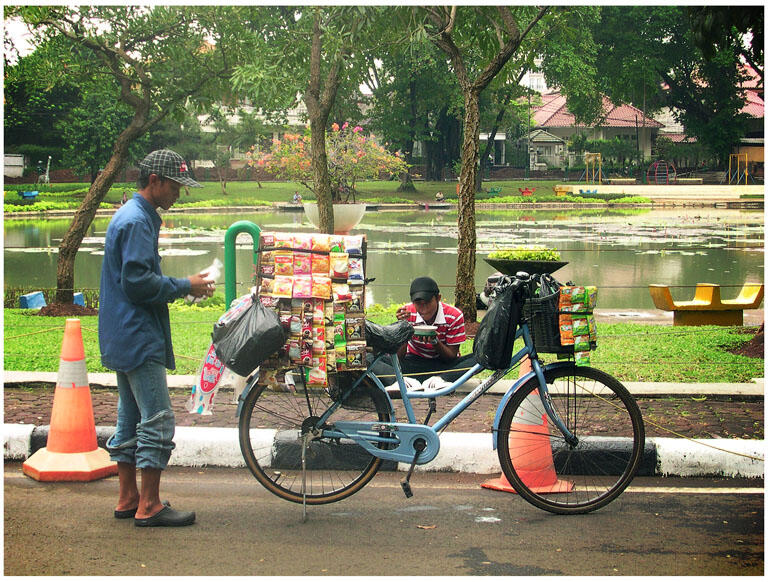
{"x": 528, "y": 139}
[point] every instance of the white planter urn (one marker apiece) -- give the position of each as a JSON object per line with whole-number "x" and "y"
{"x": 345, "y": 216}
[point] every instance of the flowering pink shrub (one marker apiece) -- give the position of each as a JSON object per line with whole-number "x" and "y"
{"x": 352, "y": 156}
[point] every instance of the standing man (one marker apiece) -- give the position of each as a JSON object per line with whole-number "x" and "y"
{"x": 135, "y": 338}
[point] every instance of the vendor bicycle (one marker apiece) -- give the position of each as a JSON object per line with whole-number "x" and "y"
{"x": 569, "y": 438}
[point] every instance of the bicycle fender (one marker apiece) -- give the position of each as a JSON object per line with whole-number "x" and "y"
{"x": 513, "y": 389}
{"x": 243, "y": 395}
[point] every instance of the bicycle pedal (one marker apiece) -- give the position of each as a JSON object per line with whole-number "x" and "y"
{"x": 406, "y": 489}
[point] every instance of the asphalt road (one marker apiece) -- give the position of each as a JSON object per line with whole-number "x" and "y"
{"x": 450, "y": 527}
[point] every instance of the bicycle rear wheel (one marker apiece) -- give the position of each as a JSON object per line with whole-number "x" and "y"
{"x": 272, "y": 430}
{"x": 563, "y": 478}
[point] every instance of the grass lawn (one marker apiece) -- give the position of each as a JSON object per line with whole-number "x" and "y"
{"x": 69, "y": 196}
{"x": 632, "y": 352}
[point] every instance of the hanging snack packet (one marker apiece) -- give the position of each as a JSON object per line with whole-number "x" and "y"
{"x": 267, "y": 264}
{"x": 321, "y": 287}
{"x": 283, "y": 263}
{"x": 356, "y": 303}
{"x": 321, "y": 264}
{"x": 355, "y": 328}
{"x": 341, "y": 356}
{"x": 283, "y": 240}
{"x": 353, "y": 245}
{"x": 356, "y": 355}
{"x": 355, "y": 276}
{"x": 267, "y": 240}
{"x": 302, "y": 241}
{"x": 339, "y": 335}
{"x": 283, "y": 286}
{"x": 339, "y": 265}
{"x": 321, "y": 243}
{"x": 336, "y": 244}
{"x": 341, "y": 293}
{"x": 302, "y": 286}
{"x": 302, "y": 264}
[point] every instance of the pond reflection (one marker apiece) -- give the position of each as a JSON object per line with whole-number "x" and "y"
{"x": 620, "y": 251}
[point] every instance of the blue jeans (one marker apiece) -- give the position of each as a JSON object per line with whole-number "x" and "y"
{"x": 145, "y": 421}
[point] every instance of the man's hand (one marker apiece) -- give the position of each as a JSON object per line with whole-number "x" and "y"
{"x": 402, "y": 313}
{"x": 201, "y": 286}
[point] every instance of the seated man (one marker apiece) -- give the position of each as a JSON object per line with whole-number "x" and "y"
{"x": 438, "y": 355}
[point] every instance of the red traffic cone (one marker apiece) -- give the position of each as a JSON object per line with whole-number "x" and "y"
{"x": 71, "y": 453}
{"x": 531, "y": 454}
{"x": 530, "y": 449}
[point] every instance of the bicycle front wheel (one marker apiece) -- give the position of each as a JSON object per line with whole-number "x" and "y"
{"x": 275, "y": 438}
{"x": 579, "y": 477}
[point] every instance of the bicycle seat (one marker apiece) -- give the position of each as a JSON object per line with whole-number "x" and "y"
{"x": 387, "y": 338}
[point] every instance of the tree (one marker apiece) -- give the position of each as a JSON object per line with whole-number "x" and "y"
{"x": 499, "y": 34}
{"x": 652, "y": 57}
{"x": 156, "y": 61}
{"x": 307, "y": 53}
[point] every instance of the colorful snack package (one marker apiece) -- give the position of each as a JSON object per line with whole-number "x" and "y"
{"x": 566, "y": 293}
{"x": 306, "y": 326}
{"x": 356, "y": 355}
{"x": 336, "y": 243}
{"x": 283, "y": 240}
{"x": 330, "y": 359}
{"x": 581, "y": 358}
{"x": 355, "y": 328}
{"x": 355, "y": 276}
{"x": 592, "y": 328}
{"x": 328, "y": 311}
{"x": 339, "y": 265}
{"x": 283, "y": 263}
{"x": 285, "y": 320}
{"x": 318, "y": 333}
{"x": 353, "y": 245}
{"x": 321, "y": 243}
{"x": 566, "y": 335}
{"x": 318, "y": 312}
{"x": 295, "y": 325}
{"x": 302, "y": 264}
{"x": 356, "y": 303}
{"x": 581, "y": 343}
{"x": 294, "y": 350}
{"x": 307, "y": 306}
{"x": 283, "y": 286}
{"x": 267, "y": 287}
{"x": 269, "y": 301}
{"x": 302, "y": 241}
{"x": 341, "y": 355}
{"x": 317, "y": 375}
{"x": 341, "y": 293}
{"x": 302, "y": 286}
{"x": 267, "y": 240}
{"x": 306, "y": 352}
{"x": 580, "y": 326}
{"x": 330, "y": 331}
{"x": 321, "y": 287}
{"x": 321, "y": 264}
{"x": 267, "y": 263}
{"x": 339, "y": 322}
{"x": 318, "y": 347}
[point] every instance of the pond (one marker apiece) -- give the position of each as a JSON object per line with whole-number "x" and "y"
{"x": 620, "y": 251}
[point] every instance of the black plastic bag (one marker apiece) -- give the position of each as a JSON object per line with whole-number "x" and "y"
{"x": 246, "y": 341}
{"x": 387, "y": 338}
{"x": 495, "y": 336}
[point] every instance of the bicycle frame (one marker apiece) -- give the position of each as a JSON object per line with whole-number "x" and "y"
{"x": 368, "y": 434}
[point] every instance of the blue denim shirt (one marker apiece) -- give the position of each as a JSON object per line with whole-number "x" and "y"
{"x": 134, "y": 325}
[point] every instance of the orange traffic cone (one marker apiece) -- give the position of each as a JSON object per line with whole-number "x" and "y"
{"x": 72, "y": 453}
{"x": 530, "y": 449}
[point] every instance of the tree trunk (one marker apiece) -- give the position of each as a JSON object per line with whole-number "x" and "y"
{"x": 465, "y": 268}
{"x": 84, "y": 215}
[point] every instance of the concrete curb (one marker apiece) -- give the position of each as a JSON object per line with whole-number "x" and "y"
{"x": 459, "y": 452}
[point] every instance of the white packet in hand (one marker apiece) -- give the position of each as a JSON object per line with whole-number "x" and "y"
{"x": 211, "y": 273}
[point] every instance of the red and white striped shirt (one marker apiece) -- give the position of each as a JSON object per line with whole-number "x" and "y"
{"x": 450, "y": 330}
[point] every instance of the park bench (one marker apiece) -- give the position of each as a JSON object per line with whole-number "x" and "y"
{"x": 690, "y": 180}
{"x": 622, "y": 181}
{"x": 707, "y": 308}
{"x": 28, "y": 197}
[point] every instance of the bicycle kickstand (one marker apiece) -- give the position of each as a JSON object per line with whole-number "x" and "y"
{"x": 419, "y": 445}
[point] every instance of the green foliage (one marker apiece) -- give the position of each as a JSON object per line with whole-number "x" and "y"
{"x": 533, "y": 253}
{"x": 631, "y": 352}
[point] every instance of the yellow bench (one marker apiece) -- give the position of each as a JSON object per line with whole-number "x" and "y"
{"x": 707, "y": 308}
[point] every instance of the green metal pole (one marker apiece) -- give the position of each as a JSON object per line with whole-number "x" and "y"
{"x": 230, "y": 265}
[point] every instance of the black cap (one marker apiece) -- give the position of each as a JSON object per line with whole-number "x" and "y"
{"x": 424, "y": 288}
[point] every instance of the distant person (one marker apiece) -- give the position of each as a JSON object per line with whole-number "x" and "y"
{"x": 438, "y": 354}
{"x": 296, "y": 197}
{"x": 135, "y": 339}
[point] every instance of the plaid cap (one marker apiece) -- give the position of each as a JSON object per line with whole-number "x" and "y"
{"x": 168, "y": 164}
